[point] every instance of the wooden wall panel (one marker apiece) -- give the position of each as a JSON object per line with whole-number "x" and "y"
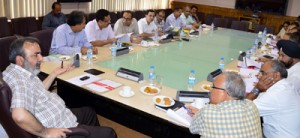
{"x": 267, "y": 19}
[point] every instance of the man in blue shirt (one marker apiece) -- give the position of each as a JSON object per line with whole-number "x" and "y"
{"x": 70, "y": 38}
{"x": 54, "y": 18}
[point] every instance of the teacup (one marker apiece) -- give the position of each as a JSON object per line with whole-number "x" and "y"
{"x": 126, "y": 90}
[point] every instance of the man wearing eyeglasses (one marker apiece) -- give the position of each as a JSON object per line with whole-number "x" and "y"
{"x": 228, "y": 114}
{"x": 159, "y": 19}
{"x": 277, "y": 101}
{"x": 127, "y": 24}
{"x": 99, "y": 31}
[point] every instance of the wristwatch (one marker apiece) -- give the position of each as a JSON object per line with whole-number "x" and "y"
{"x": 255, "y": 91}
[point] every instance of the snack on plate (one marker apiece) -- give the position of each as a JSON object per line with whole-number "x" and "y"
{"x": 206, "y": 87}
{"x": 158, "y": 100}
{"x": 167, "y": 101}
{"x": 150, "y": 90}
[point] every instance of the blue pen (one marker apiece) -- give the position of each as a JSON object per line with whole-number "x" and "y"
{"x": 188, "y": 110}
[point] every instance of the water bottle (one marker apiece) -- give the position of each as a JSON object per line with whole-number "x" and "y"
{"x": 152, "y": 75}
{"x": 256, "y": 42}
{"x": 200, "y": 30}
{"x": 191, "y": 81}
{"x": 181, "y": 35}
{"x": 253, "y": 51}
{"x": 265, "y": 31}
{"x": 114, "y": 50}
{"x": 212, "y": 26}
{"x": 89, "y": 55}
{"x": 119, "y": 44}
{"x": 248, "y": 53}
{"x": 156, "y": 37}
{"x": 221, "y": 64}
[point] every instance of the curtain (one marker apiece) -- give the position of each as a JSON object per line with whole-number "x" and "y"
{"x": 36, "y": 8}
{"x": 121, "y": 5}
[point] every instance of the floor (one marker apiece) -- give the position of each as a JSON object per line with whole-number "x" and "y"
{"x": 122, "y": 131}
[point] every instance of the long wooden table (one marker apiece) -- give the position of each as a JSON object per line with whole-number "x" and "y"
{"x": 137, "y": 112}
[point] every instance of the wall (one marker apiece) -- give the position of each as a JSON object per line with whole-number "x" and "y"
{"x": 293, "y": 6}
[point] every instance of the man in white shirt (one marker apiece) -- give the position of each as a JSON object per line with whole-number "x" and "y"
{"x": 99, "y": 31}
{"x": 278, "y": 104}
{"x": 174, "y": 20}
{"x": 188, "y": 19}
{"x": 146, "y": 25}
{"x": 289, "y": 55}
{"x": 127, "y": 24}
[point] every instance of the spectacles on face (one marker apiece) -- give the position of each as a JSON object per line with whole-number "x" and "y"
{"x": 127, "y": 19}
{"x": 262, "y": 73}
{"x": 214, "y": 87}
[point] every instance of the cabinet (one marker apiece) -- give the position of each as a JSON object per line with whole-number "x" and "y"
{"x": 253, "y": 21}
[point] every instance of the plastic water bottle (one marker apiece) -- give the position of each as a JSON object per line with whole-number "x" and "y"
{"x": 200, "y": 30}
{"x": 156, "y": 37}
{"x": 256, "y": 42}
{"x": 119, "y": 44}
{"x": 253, "y": 50}
{"x": 265, "y": 31}
{"x": 152, "y": 75}
{"x": 89, "y": 55}
{"x": 114, "y": 50}
{"x": 248, "y": 53}
{"x": 212, "y": 26}
{"x": 221, "y": 64}
{"x": 181, "y": 35}
{"x": 191, "y": 81}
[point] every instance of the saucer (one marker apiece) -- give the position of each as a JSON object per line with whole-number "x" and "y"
{"x": 126, "y": 96}
{"x": 64, "y": 58}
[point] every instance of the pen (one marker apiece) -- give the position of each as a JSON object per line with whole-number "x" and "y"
{"x": 188, "y": 110}
{"x": 62, "y": 64}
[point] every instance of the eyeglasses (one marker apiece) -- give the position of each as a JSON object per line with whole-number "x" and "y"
{"x": 127, "y": 19}
{"x": 264, "y": 73}
{"x": 214, "y": 87}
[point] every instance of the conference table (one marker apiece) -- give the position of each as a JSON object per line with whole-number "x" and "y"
{"x": 173, "y": 61}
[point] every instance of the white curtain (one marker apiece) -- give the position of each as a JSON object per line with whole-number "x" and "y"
{"x": 120, "y": 5}
{"x": 36, "y": 8}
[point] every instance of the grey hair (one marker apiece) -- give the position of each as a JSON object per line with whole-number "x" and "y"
{"x": 234, "y": 85}
{"x": 277, "y": 66}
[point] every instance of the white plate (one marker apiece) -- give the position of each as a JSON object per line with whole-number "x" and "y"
{"x": 152, "y": 87}
{"x": 203, "y": 87}
{"x": 64, "y": 58}
{"x": 162, "y": 102}
{"x": 94, "y": 57}
{"x": 126, "y": 96}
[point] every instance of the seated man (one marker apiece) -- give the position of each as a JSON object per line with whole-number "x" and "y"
{"x": 70, "y": 38}
{"x": 146, "y": 25}
{"x": 187, "y": 18}
{"x": 228, "y": 114}
{"x": 34, "y": 108}
{"x": 174, "y": 20}
{"x": 194, "y": 10}
{"x": 159, "y": 20}
{"x": 277, "y": 101}
{"x": 127, "y": 24}
{"x": 54, "y": 18}
{"x": 99, "y": 31}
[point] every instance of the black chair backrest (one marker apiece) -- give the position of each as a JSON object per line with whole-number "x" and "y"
{"x": 6, "y": 120}
{"x": 220, "y": 22}
{"x": 45, "y": 38}
{"x": 4, "y": 50}
{"x": 244, "y": 26}
{"x": 139, "y": 15}
{"x": 24, "y": 26}
{"x": 91, "y": 16}
{"x": 5, "y": 29}
{"x": 210, "y": 17}
{"x": 230, "y": 19}
{"x": 201, "y": 16}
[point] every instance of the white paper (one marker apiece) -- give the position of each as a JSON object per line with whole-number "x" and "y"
{"x": 124, "y": 38}
{"x": 78, "y": 82}
{"x": 249, "y": 77}
{"x": 180, "y": 115}
{"x": 249, "y": 62}
{"x": 97, "y": 88}
{"x": 111, "y": 83}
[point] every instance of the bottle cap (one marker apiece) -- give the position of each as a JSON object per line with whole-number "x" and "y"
{"x": 192, "y": 71}
{"x": 222, "y": 58}
{"x": 152, "y": 67}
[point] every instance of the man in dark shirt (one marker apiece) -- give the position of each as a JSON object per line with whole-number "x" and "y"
{"x": 54, "y": 18}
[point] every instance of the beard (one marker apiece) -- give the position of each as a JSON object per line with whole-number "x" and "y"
{"x": 288, "y": 64}
{"x": 35, "y": 70}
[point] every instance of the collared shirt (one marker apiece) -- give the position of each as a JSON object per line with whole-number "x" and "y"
{"x": 120, "y": 28}
{"x": 51, "y": 22}
{"x": 144, "y": 27}
{"x": 65, "y": 41}
{"x": 160, "y": 25}
{"x": 188, "y": 20}
{"x": 93, "y": 32}
{"x": 294, "y": 76}
{"x": 234, "y": 118}
{"x": 174, "y": 22}
{"x": 281, "y": 33}
{"x": 28, "y": 92}
{"x": 280, "y": 108}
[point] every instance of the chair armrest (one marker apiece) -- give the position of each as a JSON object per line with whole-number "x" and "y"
{"x": 78, "y": 132}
